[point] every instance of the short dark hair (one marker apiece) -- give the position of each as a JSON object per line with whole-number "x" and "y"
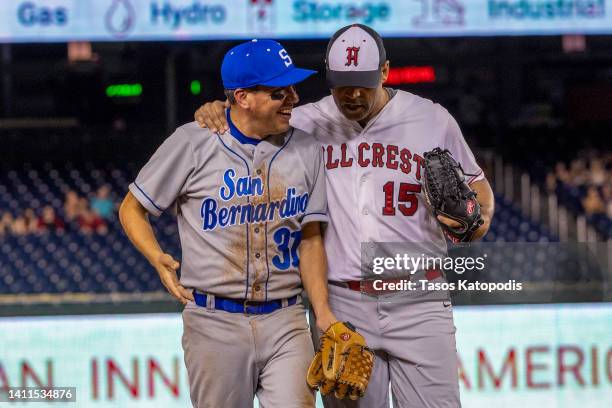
{"x": 229, "y": 94}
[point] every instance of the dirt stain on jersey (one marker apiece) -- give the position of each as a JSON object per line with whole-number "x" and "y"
{"x": 236, "y": 249}
{"x": 277, "y": 188}
{"x": 261, "y": 172}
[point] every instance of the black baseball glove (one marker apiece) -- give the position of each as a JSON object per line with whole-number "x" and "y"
{"x": 447, "y": 193}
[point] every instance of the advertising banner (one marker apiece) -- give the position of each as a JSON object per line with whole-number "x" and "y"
{"x": 556, "y": 356}
{"x": 180, "y": 20}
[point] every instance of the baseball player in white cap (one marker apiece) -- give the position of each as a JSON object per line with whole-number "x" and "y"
{"x": 374, "y": 139}
{"x": 249, "y": 205}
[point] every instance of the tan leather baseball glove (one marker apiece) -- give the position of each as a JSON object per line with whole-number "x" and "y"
{"x": 343, "y": 363}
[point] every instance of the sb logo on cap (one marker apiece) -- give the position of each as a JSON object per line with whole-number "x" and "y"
{"x": 285, "y": 56}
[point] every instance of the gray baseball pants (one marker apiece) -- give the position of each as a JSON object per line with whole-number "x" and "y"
{"x": 415, "y": 350}
{"x": 231, "y": 357}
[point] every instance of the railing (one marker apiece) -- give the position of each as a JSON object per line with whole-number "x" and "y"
{"x": 543, "y": 207}
{"x": 539, "y": 206}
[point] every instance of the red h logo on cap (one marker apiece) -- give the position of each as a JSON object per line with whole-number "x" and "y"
{"x": 352, "y": 56}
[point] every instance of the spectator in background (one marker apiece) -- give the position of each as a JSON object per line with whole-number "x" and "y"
{"x": 83, "y": 205}
{"x": 6, "y": 223}
{"x": 586, "y": 186}
{"x": 89, "y": 222}
{"x": 49, "y": 221}
{"x": 578, "y": 172}
{"x": 561, "y": 173}
{"x": 19, "y": 226}
{"x": 551, "y": 183}
{"x": 597, "y": 173}
{"x": 102, "y": 204}
{"x": 72, "y": 206}
{"x": 607, "y": 196}
{"x": 31, "y": 221}
{"x": 592, "y": 202}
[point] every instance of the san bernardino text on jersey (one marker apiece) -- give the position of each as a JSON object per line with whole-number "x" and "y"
{"x": 292, "y": 205}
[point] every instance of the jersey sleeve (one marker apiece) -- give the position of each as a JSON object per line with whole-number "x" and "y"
{"x": 312, "y": 119}
{"x": 301, "y": 118}
{"x": 455, "y": 143}
{"x": 316, "y": 209}
{"x": 165, "y": 176}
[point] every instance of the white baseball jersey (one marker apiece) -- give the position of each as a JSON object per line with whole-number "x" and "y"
{"x": 374, "y": 174}
{"x": 240, "y": 206}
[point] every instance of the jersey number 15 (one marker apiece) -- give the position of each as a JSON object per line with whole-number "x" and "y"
{"x": 407, "y": 194}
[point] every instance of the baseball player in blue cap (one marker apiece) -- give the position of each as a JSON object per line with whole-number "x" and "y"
{"x": 250, "y": 236}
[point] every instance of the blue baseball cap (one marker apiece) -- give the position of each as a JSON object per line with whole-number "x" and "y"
{"x": 260, "y": 62}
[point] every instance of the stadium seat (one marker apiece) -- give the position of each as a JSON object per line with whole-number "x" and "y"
{"x": 56, "y": 262}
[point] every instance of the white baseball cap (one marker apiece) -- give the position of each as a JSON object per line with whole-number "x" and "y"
{"x": 355, "y": 55}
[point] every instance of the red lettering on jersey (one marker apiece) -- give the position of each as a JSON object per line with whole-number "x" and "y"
{"x": 363, "y": 162}
{"x": 389, "y": 156}
{"x": 378, "y": 151}
{"x": 392, "y": 151}
{"x": 419, "y": 161}
{"x": 352, "y": 56}
{"x": 344, "y": 162}
{"x": 405, "y": 157}
{"x": 331, "y": 164}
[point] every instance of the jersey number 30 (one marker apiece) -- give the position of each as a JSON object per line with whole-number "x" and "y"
{"x": 288, "y": 242}
{"x": 407, "y": 194}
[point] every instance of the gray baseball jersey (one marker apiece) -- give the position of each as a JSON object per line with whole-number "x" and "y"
{"x": 240, "y": 207}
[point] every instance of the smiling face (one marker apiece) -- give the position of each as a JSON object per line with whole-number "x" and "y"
{"x": 269, "y": 108}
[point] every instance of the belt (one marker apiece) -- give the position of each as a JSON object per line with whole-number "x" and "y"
{"x": 367, "y": 286}
{"x": 244, "y": 305}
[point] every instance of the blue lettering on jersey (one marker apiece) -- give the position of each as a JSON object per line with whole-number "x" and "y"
{"x": 208, "y": 212}
{"x": 288, "y": 243}
{"x": 292, "y": 205}
{"x": 243, "y": 187}
{"x": 213, "y": 215}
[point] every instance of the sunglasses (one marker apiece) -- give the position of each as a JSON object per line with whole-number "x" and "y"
{"x": 276, "y": 94}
